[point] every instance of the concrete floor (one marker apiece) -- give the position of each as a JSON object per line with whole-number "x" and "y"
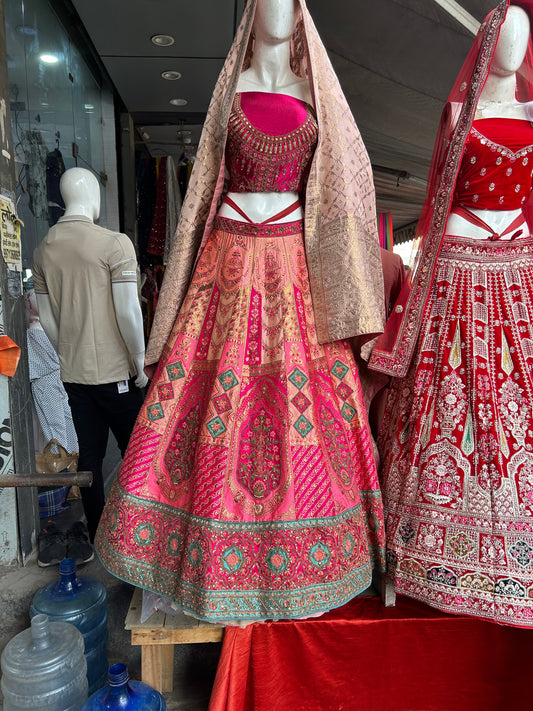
{"x": 194, "y": 665}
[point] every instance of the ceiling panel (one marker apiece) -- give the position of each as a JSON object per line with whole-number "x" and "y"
{"x": 142, "y": 88}
{"x": 124, "y": 27}
{"x": 477, "y": 9}
{"x": 398, "y": 124}
{"x": 393, "y": 42}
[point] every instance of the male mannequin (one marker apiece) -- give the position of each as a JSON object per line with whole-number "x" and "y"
{"x": 86, "y": 285}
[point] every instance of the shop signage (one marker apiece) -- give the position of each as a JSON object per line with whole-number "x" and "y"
{"x": 10, "y": 234}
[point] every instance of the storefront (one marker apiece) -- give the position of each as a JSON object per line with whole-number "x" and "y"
{"x": 62, "y": 115}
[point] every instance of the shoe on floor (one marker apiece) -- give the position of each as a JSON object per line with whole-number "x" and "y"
{"x": 78, "y": 545}
{"x": 52, "y": 545}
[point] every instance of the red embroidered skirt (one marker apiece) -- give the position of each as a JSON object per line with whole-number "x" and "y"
{"x": 457, "y": 444}
{"x": 249, "y": 488}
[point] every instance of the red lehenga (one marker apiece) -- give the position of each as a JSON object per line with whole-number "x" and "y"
{"x": 457, "y": 440}
{"x": 249, "y": 489}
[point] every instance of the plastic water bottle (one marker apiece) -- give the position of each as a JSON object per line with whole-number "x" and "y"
{"x": 44, "y": 668}
{"x": 81, "y": 601}
{"x": 121, "y": 693}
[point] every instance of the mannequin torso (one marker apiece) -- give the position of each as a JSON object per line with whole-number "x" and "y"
{"x": 498, "y": 100}
{"x": 81, "y": 192}
{"x": 270, "y": 72}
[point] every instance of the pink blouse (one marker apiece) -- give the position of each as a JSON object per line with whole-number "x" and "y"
{"x": 271, "y": 141}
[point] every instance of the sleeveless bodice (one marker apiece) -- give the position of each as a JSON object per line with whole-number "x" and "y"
{"x": 270, "y": 144}
{"x": 497, "y": 166}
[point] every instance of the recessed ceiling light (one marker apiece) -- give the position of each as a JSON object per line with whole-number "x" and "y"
{"x": 184, "y": 132}
{"x": 49, "y": 58}
{"x": 178, "y": 102}
{"x": 171, "y": 75}
{"x": 163, "y": 40}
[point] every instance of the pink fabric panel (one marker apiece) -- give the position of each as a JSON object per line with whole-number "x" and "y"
{"x": 275, "y": 114}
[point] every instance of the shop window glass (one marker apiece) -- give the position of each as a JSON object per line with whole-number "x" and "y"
{"x": 55, "y": 103}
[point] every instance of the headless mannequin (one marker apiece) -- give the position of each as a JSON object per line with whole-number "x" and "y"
{"x": 270, "y": 72}
{"x": 81, "y": 193}
{"x": 498, "y": 100}
{"x": 106, "y": 402}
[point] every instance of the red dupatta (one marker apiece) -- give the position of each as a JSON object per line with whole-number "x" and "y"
{"x": 394, "y": 349}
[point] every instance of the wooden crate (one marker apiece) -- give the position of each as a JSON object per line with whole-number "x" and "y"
{"x": 157, "y": 637}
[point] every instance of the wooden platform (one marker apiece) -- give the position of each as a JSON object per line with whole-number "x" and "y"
{"x": 157, "y": 637}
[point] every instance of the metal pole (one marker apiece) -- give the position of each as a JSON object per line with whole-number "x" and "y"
{"x": 462, "y": 16}
{"x": 47, "y": 479}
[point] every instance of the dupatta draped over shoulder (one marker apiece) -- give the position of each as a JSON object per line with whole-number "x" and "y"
{"x": 394, "y": 349}
{"x": 341, "y": 241}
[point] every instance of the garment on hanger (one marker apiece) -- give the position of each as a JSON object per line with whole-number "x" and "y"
{"x": 457, "y": 437}
{"x": 146, "y": 197}
{"x": 158, "y": 231}
{"x": 49, "y": 396}
{"x": 55, "y": 167}
{"x": 173, "y": 207}
{"x": 35, "y": 152}
{"x": 249, "y": 489}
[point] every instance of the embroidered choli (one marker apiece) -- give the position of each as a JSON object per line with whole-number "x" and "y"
{"x": 497, "y": 165}
{"x": 271, "y": 141}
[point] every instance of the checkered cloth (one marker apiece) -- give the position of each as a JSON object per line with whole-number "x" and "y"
{"x": 52, "y": 502}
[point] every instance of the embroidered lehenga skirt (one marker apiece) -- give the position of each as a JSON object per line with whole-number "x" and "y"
{"x": 249, "y": 488}
{"x": 457, "y": 443}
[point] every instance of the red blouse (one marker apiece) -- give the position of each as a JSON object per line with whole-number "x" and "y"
{"x": 497, "y": 166}
{"x": 271, "y": 141}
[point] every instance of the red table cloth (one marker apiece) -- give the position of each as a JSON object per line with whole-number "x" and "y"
{"x": 365, "y": 656}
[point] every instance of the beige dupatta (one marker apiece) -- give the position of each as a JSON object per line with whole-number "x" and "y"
{"x": 340, "y": 228}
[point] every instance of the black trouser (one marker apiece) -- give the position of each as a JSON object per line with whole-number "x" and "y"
{"x": 96, "y": 409}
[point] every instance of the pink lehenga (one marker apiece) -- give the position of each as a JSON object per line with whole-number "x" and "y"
{"x": 249, "y": 489}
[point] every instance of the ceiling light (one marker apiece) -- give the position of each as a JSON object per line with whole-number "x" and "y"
{"x": 88, "y": 106}
{"x": 178, "y": 102}
{"x": 184, "y": 132}
{"x": 49, "y": 58}
{"x": 145, "y": 136}
{"x": 163, "y": 40}
{"x": 171, "y": 75}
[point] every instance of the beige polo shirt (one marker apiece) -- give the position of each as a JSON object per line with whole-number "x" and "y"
{"x": 75, "y": 264}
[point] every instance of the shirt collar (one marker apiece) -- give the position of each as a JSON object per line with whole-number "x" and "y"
{"x": 75, "y": 218}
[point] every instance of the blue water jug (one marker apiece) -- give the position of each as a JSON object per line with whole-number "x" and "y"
{"x": 122, "y": 694}
{"x": 44, "y": 668}
{"x": 81, "y": 601}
